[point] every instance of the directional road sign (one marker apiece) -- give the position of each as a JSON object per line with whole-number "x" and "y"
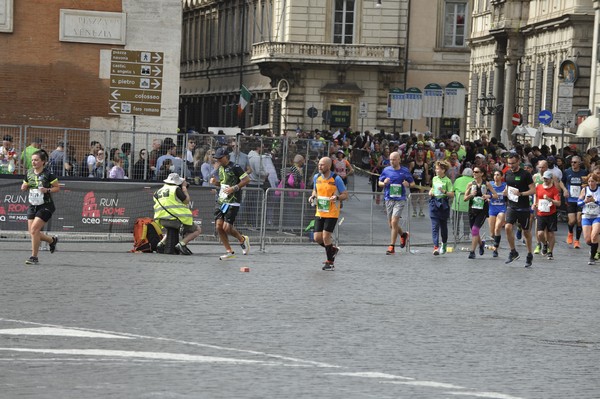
{"x": 545, "y": 117}
{"x": 135, "y": 82}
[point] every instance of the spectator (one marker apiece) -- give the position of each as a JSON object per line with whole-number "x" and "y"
{"x": 141, "y": 168}
{"x": 35, "y": 145}
{"x": 117, "y": 171}
{"x": 207, "y": 169}
{"x": 179, "y": 165}
{"x": 89, "y": 162}
{"x": 7, "y": 155}
{"x": 165, "y": 170}
{"x": 71, "y": 166}
{"x": 124, "y": 155}
{"x": 154, "y": 154}
{"x": 99, "y": 170}
{"x": 57, "y": 160}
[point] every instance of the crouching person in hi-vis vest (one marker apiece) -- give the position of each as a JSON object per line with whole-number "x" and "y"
{"x": 171, "y": 210}
{"x": 328, "y": 192}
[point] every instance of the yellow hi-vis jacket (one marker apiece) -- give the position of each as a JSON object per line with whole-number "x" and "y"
{"x": 178, "y": 210}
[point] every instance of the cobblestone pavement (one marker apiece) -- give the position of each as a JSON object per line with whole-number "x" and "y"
{"x": 93, "y": 321}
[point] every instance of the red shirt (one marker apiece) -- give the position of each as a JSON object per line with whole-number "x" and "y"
{"x": 552, "y": 193}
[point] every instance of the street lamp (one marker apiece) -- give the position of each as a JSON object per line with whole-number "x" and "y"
{"x": 488, "y": 106}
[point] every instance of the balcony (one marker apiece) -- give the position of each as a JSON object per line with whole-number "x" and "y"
{"x": 326, "y": 53}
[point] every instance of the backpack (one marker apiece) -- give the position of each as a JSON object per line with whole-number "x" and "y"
{"x": 146, "y": 235}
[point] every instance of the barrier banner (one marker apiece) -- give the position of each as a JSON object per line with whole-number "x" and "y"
{"x": 90, "y": 206}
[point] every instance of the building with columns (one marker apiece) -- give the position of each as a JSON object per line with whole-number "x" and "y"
{"x": 528, "y": 56}
{"x": 338, "y": 57}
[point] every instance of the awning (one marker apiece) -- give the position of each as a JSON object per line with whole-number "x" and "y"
{"x": 259, "y": 127}
{"x": 588, "y": 128}
{"x": 525, "y": 131}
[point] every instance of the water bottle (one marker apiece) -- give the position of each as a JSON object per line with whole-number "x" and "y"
{"x": 311, "y": 201}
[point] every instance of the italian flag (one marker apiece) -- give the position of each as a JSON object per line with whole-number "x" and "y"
{"x": 245, "y": 96}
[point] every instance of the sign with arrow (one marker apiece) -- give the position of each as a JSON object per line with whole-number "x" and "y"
{"x": 135, "y": 82}
{"x": 545, "y": 117}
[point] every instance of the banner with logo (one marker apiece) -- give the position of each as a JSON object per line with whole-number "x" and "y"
{"x": 94, "y": 206}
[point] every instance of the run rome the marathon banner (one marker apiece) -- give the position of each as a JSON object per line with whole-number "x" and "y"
{"x": 94, "y": 206}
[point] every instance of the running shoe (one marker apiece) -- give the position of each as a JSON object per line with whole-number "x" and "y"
{"x": 335, "y": 252}
{"x": 183, "y": 249}
{"x": 436, "y": 250}
{"x": 519, "y": 234}
{"x": 576, "y": 244}
{"x": 529, "y": 260}
{"x": 33, "y": 260}
{"x": 443, "y": 248}
{"x": 550, "y": 256}
{"x": 53, "y": 244}
{"x": 245, "y": 245}
{"x": 545, "y": 249}
{"x": 597, "y": 256}
{"x": 160, "y": 248}
{"x": 471, "y": 255}
{"x": 228, "y": 255}
{"x": 403, "y": 239}
{"x": 512, "y": 256}
{"x": 592, "y": 262}
{"x": 537, "y": 249}
{"x": 421, "y": 213}
{"x": 495, "y": 253}
{"x": 482, "y": 248}
{"x": 391, "y": 250}
{"x": 570, "y": 238}
{"x": 414, "y": 214}
{"x": 328, "y": 266}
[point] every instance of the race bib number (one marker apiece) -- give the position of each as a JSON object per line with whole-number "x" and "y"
{"x": 395, "y": 190}
{"x": 544, "y": 205}
{"x": 323, "y": 204}
{"x": 574, "y": 191}
{"x": 592, "y": 209}
{"x": 222, "y": 194}
{"x": 36, "y": 197}
{"x": 513, "y": 194}
{"x": 437, "y": 190}
{"x": 478, "y": 203}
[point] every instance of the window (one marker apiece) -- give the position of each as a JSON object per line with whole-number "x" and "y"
{"x": 455, "y": 24}
{"x": 343, "y": 25}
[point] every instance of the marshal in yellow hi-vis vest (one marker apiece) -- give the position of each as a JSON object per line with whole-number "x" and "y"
{"x": 168, "y": 207}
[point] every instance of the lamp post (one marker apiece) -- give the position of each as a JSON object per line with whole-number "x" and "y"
{"x": 488, "y": 106}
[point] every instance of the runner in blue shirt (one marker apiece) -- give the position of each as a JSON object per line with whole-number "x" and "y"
{"x": 573, "y": 179}
{"x": 395, "y": 180}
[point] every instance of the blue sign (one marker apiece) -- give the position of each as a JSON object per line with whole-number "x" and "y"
{"x": 545, "y": 117}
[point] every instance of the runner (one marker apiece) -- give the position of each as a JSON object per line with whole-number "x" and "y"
{"x": 497, "y": 213}
{"x": 478, "y": 194}
{"x": 40, "y": 183}
{"x": 439, "y": 207}
{"x": 573, "y": 180}
{"x": 231, "y": 180}
{"x": 420, "y": 172}
{"x": 395, "y": 179}
{"x": 547, "y": 199}
{"x": 328, "y": 191}
{"x": 519, "y": 186}
{"x": 589, "y": 200}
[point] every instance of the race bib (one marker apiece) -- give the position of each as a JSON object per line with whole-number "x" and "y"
{"x": 437, "y": 190}
{"x": 478, "y": 203}
{"x": 222, "y": 194}
{"x": 36, "y": 197}
{"x": 513, "y": 194}
{"x": 395, "y": 190}
{"x": 544, "y": 205}
{"x": 591, "y": 208}
{"x": 574, "y": 191}
{"x": 323, "y": 204}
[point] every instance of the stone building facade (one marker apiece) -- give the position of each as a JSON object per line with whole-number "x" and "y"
{"x": 338, "y": 56}
{"x": 525, "y": 56}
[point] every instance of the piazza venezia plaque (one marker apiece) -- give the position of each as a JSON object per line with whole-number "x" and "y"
{"x": 99, "y": 27}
